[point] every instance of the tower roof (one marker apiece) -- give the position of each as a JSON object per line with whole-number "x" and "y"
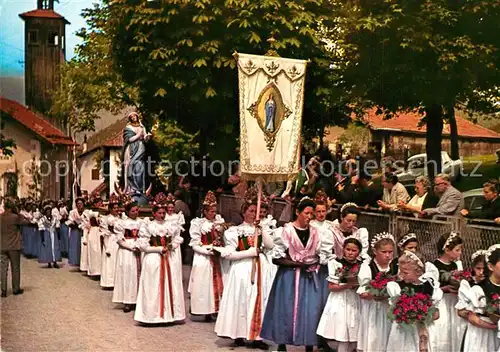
{"x": 39, "y": 13}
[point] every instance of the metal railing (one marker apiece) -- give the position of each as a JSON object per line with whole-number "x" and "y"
{"x": 476, "y": 234}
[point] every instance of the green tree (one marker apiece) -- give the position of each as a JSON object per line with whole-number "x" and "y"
{"x": 179, "y": 56}
{"x": 6, "y": 144}
{"x": 422, "y": 55}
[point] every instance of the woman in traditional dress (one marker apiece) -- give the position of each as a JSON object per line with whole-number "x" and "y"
{"x": 35, "y": 240}
{"x": 374, "y": 326}
{"x": 92, "y": 239}
{"x": 408, "y": 243}
{"x": 295, "y": 303}
{"x": 128, "y": 258}
{"x": 64, "y": 229}
{"x": 449, "y": 327}
{"x": 49, "y": 245}
{"x": 242, "y": 306}
{"x": 134, "y": 155}
{"x": 413, "y": 278}
{"x": 109, "y": 242}
{"x": 161, "y": 293}
{"x": 206, "y": 282}
{"x": 74, "y": 222}
{"x": 28, "y": 230}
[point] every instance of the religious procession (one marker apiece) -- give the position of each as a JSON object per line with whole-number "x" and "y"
{"x": 313, "y": 282}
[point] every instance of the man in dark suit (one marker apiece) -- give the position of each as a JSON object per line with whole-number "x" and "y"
{"x": 491, "y": 209}
{"x": 11, "y": 247}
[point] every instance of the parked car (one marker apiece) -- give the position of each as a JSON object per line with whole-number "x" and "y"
{"x": 474, "y": 199}
{"x": 416, "y": 166}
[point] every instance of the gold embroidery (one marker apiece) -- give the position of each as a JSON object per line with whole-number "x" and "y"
{"x": 272, "y": 67}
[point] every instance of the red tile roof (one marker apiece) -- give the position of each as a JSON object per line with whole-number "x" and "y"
{"x": 42, "y": 14}
{"x": 111, "y": 137}
{"x": 409, "y": 122}
{"x": 34, "y": 122}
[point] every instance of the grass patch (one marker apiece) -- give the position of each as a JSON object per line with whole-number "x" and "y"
{"x": 475, "y": 176}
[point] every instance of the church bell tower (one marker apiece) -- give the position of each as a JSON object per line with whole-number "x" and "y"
{"x": 44, "y": 52}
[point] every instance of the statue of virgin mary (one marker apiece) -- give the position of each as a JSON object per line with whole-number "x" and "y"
{"x": 134, "y": 156}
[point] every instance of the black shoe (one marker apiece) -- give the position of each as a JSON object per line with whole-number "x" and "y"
{"x": 208, "y": 318}
{"x": 18, "y": 292}
{"x": 49, "y": 266}
{"x": 4, "y": 293}
{"x": 239, "y": 342}
{"x": 281, "y": 348}
{"x": 56, "y": 266}
{"x": 261, "y": 345}
{"x": 127, "y": 308}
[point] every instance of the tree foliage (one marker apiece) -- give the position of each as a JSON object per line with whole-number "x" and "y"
{"x": 179, "y": 56}
{"x": 425, "y": 55}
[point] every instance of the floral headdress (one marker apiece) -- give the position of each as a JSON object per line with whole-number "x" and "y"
{"x": 348, "y": 205}
{"x": 449, "y": 239}
{"x": 490, "y": 251}
{"x": 126, "y": 199}
{"x": 113, "y": 199}
{"x": 265, "y": 200}
{"x": 481, "y": 252}
{"x": 95, "y": 200}
{"x": 321, "y": 197}
{"x": 210, "y": 199}
{"x": 406, "y": 239}
{"x": 159, "y": 201}
{"x": 380, "y": 236}
{"x": 170, "y": 199}
{"x": 47, "y": 207}
{"x": 414, "y": 257}
{"x": 304, "y": 199}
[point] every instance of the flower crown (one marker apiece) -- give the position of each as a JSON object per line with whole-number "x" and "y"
{"x": 414, "y": 257}
{"x": 321, "y": 197}
{"x": 126, "y": 199}
{"x": 380, "y": 236}
{"x": 160, "y": 200}
{"x": 449, "y": 239}
{"x": 490, "y": 251}
{"x": 478, "y": 253}
{"x": 210, "y": 199}
{"x": 348, "y": 205}
{"x": 304, "y": 199}
{"x": 407, "y": 238}
{"x": 251, "y": 195}
{"x": 113, "y": 199}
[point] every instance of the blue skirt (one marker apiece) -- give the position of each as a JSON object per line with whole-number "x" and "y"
{"x": 75, "y": 246}
{"x": 323, "y": 285}
{"x": 35, "y": 242}
{"x": 278, "y": 325}
{"x": 64, "y": 242}
{"x": 25, "y": 232}
{"x": 49, "y": 248}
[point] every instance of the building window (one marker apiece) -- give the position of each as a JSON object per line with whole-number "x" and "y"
{"x": 95, "y": 174}
{"x": 62, "y": 42}
{"x": 33, "y": 37}
{"x": 54, "y": 38}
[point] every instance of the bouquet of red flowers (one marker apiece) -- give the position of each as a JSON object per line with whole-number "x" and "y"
{"x": 348, "y": 274}
{"x": 493, "y": 307}
{"x": 378, "y": 286}
{"x": 457, "y": 276}
{"x": 412, "y": 309}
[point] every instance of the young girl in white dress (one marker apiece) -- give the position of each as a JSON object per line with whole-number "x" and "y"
{"x": 450, "y": 327}
{"x": 340, "y": 318}
{"x": 374, "y": 326}
{"x": 128, "y": 258}
{"x": 481, "y": 332}
{"x": 415, "y": 277}
{"x": 109, "y": 242}
{"x": 242, "y": 306}
{"x": 206, "y": 280}
{"x": 161, "y": 293}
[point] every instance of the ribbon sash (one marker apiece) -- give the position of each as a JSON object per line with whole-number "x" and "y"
{"x": 218, "y": 285}
{"x": 165, "y": 269}
{"x": 256, "y": 323}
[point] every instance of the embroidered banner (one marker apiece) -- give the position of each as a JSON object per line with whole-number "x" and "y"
{"x": 271, "y": 100}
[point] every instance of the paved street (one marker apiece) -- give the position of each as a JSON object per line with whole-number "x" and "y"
{"x": 62, "y": 310}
